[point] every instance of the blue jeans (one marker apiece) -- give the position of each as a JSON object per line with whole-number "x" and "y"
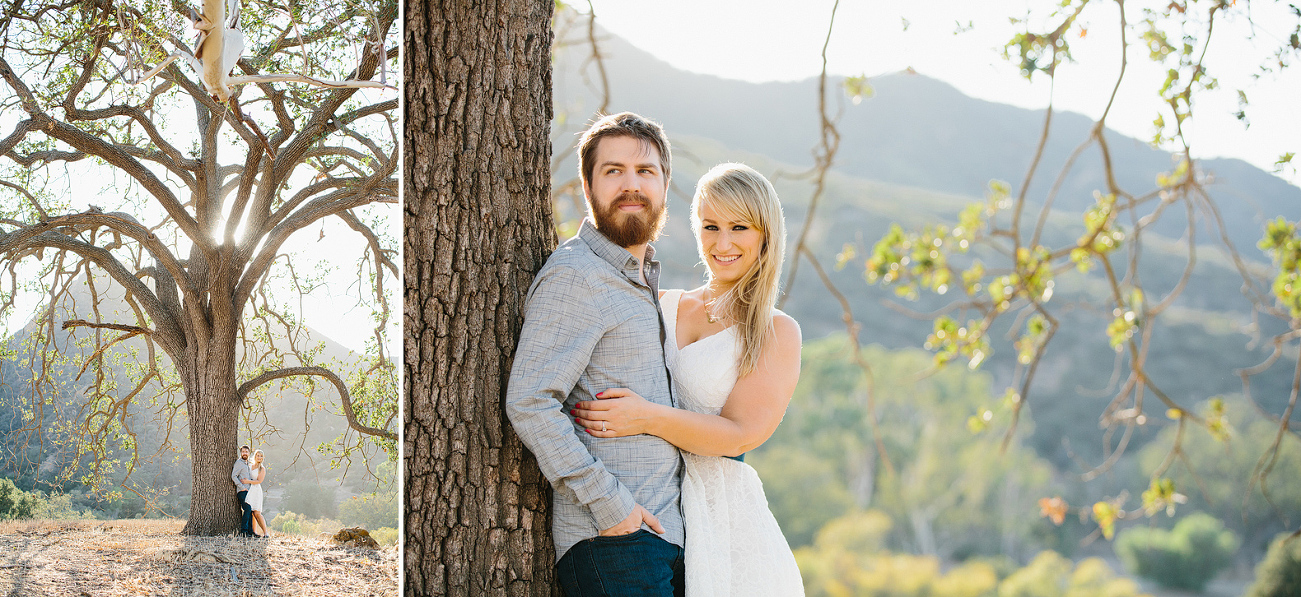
{"x": 633, "y": 565}
{"x": 246, "y": 522}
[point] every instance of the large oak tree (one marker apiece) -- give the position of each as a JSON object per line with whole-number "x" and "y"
{"x": 204, "y": 190}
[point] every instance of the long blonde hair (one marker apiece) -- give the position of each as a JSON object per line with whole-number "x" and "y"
{"x": 740, "y": 193}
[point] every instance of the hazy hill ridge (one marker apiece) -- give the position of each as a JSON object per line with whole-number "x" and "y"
{"x": 915, "y": 131}
{"x": 289, "y": 425}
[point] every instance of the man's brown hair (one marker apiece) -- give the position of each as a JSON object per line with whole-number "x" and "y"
{"x": 625, "y": 124}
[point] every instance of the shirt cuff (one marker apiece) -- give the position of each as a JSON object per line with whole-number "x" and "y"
{"x": 610, "y": 511}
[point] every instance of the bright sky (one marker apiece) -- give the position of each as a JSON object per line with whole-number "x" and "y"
{"x": 778, "y": 40}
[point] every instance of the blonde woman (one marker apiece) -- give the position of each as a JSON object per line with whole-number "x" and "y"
{"x": 734, "y": 360}
{"x": 255, "y": 495}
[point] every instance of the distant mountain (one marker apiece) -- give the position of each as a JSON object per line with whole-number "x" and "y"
{"x": 918, "y": 151}
{"x": 914, "y": 131}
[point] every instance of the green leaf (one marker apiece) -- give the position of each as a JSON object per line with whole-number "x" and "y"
{"x": 1105, "y": 514}
{"x": 1161, "y": 495}
{"x": 846, "y": 254}
{"x": 858, "y": 88}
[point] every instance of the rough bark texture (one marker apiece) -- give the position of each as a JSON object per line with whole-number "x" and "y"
{"x": 213, "y": 507}
{"x": 478, "y": 226}
{"x": 213, "y": 409}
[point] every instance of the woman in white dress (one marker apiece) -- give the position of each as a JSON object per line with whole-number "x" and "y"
{"x": 735, "y": 360}
{"x": 255, "y": 494}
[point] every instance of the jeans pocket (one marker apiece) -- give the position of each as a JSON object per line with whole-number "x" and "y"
{"x": 633, "y": 536}
{"x": 637, "y": 564}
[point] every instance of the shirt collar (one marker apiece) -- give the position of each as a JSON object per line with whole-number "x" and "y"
{"x": 615, "y": 255}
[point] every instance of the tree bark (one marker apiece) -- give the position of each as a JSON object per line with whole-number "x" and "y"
{"x": 213, "y": 408}
{"x": 478, "y": 227}
{"x": 213, "y": 507}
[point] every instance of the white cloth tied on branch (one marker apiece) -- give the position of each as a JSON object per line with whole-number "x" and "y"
{"x": 219, "y": 48}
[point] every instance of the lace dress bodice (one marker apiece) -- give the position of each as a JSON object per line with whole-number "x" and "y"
{"x": 255, "y": 493}
{"x": 704, "y": 371}
{"x": 734, "y": 546}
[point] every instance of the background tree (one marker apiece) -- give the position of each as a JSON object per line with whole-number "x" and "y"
{"x": 1279, "y": 573}
{"x": 478, "y": 227}
{"x": 202, "y": 200}
{"x": 1186, "y": 557}
{"x": 1216, "y": 470}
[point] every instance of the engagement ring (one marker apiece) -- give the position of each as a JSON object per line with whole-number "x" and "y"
{"x": 602, "y": 425}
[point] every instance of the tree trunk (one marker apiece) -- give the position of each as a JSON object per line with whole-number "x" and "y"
{"x": 209, "y": 380}
{"x": 478, "y": 227}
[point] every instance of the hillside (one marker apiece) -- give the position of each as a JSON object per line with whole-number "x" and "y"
{"x": 917, "y": 151}
{"x": 914, "y": 131}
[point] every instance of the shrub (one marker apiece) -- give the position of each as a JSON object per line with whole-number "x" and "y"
{"x": 1003, "y": 566}
{"x": 17, "y": 504}
{"x": 884, "y": 574}
{"x": 1186, "y": 558}
{"x": 374, "y": 511}
{"x": 1050, "y": 575}
{"x": 61, "y": 507}
{"x": 1045, "y": 576}
{"x": 291, "y": 523}
{"x": 1094, "y": 578}
{"x": 972, "y": 579}
{"x": 1279, "y": 574}
{"x": 284, "y": 518}
{"x": 862, "y": 532}
{"x": 312, "y": 528}
{"x": 828, "y": 573}
{"x": 125, "y": 504}
{"x": 385, "y": 536}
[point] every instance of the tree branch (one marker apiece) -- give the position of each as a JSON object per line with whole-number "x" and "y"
{"x": 245, "y": 388}
{"x": 132, "y": 330}
{"x": 83, "y": 141}
{"x": 169, "y": 334}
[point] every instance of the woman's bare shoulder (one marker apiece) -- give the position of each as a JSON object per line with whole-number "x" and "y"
{"x": 786, "y": 327}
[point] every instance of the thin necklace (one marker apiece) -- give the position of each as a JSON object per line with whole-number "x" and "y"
{"x": 709, "y": 307}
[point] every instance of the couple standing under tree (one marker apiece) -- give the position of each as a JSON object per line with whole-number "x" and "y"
{"x": 639, "y": 403}
{"x": 248, "y": 478}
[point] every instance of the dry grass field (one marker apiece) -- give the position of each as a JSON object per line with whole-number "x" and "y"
{"x": 96, "y": 558}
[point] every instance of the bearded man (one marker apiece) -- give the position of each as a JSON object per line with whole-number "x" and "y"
{"x": 593, "y": 322}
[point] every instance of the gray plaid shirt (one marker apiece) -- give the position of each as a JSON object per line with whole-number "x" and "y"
{"x": 590, "y": 324}
{"x": 241, "y": 471}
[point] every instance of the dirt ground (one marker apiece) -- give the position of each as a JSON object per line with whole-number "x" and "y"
{"x": 97, "y": 558}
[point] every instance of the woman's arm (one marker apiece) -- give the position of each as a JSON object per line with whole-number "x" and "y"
{"x": 261, "y": 474}
{"x": 753, "y": 409}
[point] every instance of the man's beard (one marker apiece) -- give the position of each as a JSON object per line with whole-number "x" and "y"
{"x": 637, "y": 228}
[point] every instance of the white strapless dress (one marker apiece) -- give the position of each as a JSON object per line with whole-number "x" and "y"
{"x": 734, "y": 546}
{"x": 254, "y": 497}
